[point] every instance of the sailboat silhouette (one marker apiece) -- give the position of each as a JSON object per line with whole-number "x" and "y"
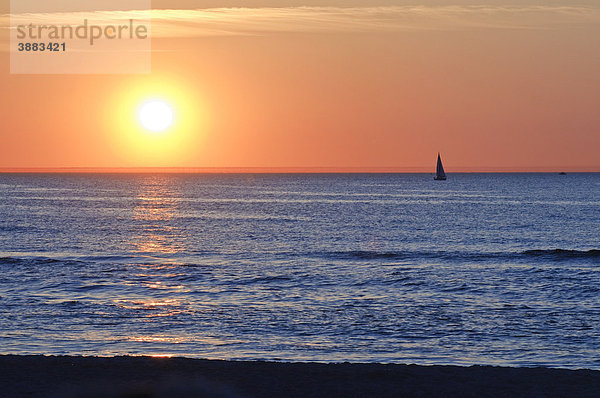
{"x": 440, "y": 175}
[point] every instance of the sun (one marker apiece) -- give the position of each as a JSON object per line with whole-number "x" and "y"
{"x": 156, "y": 121}
{"x": 156, "y": 115}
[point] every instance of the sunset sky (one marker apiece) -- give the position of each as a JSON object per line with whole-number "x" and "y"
{"x": 492, "y": 85}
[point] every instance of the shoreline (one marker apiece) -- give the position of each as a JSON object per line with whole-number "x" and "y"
{"x": 137, "y": 377}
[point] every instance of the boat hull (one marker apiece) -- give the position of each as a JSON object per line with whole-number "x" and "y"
{"x": 439, "y": 178}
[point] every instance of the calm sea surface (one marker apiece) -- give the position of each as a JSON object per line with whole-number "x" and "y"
{"x": 499, "y": 269}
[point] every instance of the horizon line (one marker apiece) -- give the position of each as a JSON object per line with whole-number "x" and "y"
{"x": 291, "y": 170}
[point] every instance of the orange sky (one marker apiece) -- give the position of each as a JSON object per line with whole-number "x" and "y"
{"x": 492, "y": 88}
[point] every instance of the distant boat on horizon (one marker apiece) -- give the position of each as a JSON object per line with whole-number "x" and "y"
{"x": 440, "y": 175}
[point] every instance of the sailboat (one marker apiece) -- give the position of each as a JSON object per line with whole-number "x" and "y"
{"x": 440, "y": 175}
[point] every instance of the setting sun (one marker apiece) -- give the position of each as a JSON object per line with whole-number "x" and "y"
{"x": 154, "y": 122}
{"x": 155, "y": 115}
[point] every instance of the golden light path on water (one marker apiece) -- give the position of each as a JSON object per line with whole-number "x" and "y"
{"x": 156, "y": 207}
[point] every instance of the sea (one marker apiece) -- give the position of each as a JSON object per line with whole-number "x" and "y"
{"x": 488, "y": 269}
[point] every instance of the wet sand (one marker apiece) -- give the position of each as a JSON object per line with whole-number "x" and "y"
{"x": 141, "y": 377}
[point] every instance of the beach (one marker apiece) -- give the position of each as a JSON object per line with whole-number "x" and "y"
{"x": 129, "y": 377}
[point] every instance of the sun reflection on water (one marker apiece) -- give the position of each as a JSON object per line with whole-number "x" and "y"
{"x": 152, "y": 308}
{"x": 156, "y": 213}
{"x": 156, "y": 240}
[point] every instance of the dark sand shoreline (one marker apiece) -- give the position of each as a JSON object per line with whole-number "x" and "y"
{"x": 141, "y": 377}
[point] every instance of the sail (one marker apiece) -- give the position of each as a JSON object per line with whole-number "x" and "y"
{"x": 439, "y": 173}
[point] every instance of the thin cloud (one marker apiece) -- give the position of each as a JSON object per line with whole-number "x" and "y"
{"x": 254, "y": 21}
{"x": 260, "y": 21}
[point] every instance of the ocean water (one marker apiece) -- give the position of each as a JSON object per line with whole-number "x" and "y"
{"x": 500, "y": 269}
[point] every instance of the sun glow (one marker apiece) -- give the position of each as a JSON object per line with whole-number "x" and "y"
{"x": 157, "y": 122}
{"x": 156, "y": 115}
